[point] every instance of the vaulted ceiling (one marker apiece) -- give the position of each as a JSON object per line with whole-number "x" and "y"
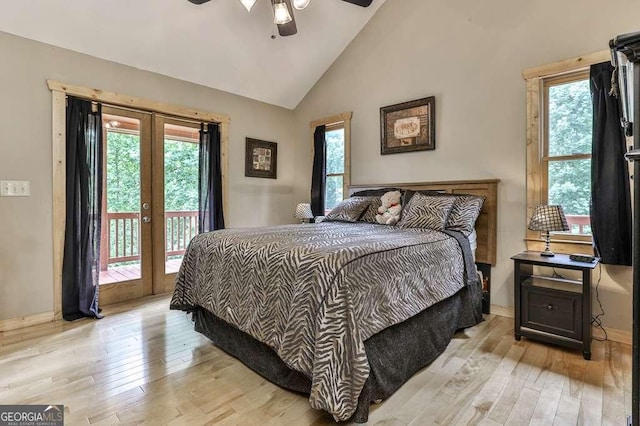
{"x": 217, "y": 44}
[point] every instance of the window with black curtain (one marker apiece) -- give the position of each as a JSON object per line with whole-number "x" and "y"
{"x": 335, "y": 169}
{"x": 331, "y": 172}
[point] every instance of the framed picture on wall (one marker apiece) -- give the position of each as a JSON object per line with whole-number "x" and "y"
{"x": 261, "y": 159}
{"x": 408, "y": 126}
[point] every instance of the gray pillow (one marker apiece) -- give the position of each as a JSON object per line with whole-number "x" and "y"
{"x": 371, "y": 211}
{"x": 348, "y": 210}
{"x": 379, "y": 192}
{"x": 406, "y": 197}
{"x": 464, "y": 213}
{"x": 427, "y": 211}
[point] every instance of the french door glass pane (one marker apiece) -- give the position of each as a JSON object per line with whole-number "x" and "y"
{"x": 181, "y": 146}
{"x": 570, "y": 186}
{"x": 120, "y": 252}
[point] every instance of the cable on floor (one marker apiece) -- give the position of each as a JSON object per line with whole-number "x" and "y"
{"x": 596, "y": 319}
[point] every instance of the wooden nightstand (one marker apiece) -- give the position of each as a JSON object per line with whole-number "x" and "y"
{"x": 553, "y": 310}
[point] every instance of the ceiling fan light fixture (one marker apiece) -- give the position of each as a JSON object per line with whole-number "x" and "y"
{"x": 300, "y": 4}
{"x": 248, "y": 4}
{"x": 281, "y": 13}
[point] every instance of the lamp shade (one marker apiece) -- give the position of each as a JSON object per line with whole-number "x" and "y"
{"x": 548, "y": 218}
{"x": 281, "y": 13}
{"x": 303, "y": 211}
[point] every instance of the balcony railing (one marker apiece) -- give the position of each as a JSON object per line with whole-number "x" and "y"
{"x": 121, "y": 241}
{"x": 122, "y": 238}
{"x": 181, "y": 227}
{"x": 579, "y": 224}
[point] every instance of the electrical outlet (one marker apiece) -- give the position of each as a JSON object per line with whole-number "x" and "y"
{"x": 15, "y": 188}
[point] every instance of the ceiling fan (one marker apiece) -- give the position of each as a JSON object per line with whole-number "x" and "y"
{"x": 283, "y": 11}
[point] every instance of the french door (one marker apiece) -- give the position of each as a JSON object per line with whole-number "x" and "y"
{"x": 150, "y": 201}
{"x": 175, "y": 196}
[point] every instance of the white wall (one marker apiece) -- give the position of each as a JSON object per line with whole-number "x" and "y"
{"x": 470, "y": 55}
{"x": 26, "y": 266}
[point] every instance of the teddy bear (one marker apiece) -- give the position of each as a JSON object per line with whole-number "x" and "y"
{"x": 389, "y": 211}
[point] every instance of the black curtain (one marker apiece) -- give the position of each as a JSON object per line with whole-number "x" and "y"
{"x": 319, "y": 175}
{"x": 610, "y": 193}
{"x": 210, "y": 214}
{"x": 81, "y": 263}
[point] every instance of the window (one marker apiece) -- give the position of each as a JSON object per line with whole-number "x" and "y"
{"x": 566, "y": 160}
{"x": 338, "y": 145}
{"x": 335, "y": 169}
{"x": 559, "y": 121}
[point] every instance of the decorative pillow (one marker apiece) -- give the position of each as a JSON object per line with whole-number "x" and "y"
{"x": 371, "y": 211}
{"x": 348, "y": 210}
{"x": 426, "y": 211}
{"x": 464, "y": 213}
{"x": 408, "y": 194}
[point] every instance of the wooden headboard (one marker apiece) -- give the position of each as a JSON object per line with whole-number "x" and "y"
{"x": 487, "y": 223}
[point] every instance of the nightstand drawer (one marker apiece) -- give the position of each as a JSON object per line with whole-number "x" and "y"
{"x": 552, "y": 311}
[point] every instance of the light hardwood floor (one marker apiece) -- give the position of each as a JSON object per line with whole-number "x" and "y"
{"x": 144, "y": 364}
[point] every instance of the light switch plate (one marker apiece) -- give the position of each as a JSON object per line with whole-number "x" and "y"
{"x": 15, "y": 188}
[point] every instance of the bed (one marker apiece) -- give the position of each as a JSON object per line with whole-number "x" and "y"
{"x": 345, "y": 312}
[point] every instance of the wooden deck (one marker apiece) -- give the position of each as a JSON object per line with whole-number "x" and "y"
{"x": 143, "y": 363}
{"x": 132, "y": 272}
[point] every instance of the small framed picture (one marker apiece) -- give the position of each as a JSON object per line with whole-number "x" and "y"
{"x": 261, "y": 159}
{"x": 409, "y": 126}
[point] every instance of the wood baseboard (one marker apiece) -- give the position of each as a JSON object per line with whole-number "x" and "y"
{"x": 503, "y": 311}
{"x": 26, "y": 321}
{"x": 613, "y": 334}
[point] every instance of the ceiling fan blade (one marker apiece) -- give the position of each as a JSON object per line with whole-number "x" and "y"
{"x": 363, "y": 3}
{"x": 289, "y": 28}
{"x": 198, "y": 1}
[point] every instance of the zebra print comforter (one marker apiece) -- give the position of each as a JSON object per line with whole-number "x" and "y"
{"x": 314, "y": 293}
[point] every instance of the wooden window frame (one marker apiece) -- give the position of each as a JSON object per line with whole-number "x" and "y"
{"x": 537, "y": 80}
{"x": 331, "y": 128}
{"x": 333, "y": 123}
{"x": 545, "y": 159}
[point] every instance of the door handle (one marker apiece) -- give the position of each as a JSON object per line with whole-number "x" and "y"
{"x": 146, "y": 219}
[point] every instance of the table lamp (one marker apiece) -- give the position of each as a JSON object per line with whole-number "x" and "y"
{"x": 303, "y": 212}
{"x": 547, "y": 219}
